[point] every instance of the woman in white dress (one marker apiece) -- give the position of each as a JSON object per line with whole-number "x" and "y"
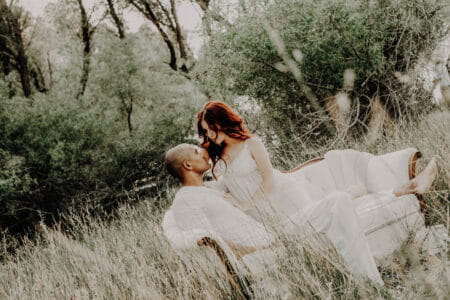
{"x": 242, "y": 164}
{"x": 243, "y": 168}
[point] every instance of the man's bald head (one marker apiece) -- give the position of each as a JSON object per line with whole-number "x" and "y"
{"x": 175, "y": 157}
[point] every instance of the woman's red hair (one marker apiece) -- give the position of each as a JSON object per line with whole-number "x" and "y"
{"x": 220, "y": 117}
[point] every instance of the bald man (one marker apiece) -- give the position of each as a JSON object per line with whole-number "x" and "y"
{"x": 198, "y": 207}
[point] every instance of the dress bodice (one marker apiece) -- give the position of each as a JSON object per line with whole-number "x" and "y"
{"x": 242, "y": 178}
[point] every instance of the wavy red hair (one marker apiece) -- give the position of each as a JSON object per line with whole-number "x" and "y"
{"x": 221, "y": 118}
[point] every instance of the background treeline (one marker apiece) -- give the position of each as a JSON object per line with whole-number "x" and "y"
{"x": 87, "y": 108}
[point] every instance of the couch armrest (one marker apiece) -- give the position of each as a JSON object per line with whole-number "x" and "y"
{"x": 412, "y": 173}
{"x": 307, "y": 163}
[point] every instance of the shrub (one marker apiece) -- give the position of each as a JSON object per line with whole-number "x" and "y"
{"x": 57, "y": 157}
{"x": 374, "y": 38}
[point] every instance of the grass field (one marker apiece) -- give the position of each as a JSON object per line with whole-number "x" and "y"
{"x": 129, "y": 258}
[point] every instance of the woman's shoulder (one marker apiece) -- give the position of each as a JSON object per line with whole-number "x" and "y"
{"x": 255, "y": 146}
{"x": 254, "y": 142}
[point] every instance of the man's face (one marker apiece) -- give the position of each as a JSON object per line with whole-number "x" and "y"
{"x": 199, "y": 159}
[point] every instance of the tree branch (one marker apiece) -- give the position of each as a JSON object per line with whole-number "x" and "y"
{"x": 144, "y": 7}
{"x": 116, "y": 19}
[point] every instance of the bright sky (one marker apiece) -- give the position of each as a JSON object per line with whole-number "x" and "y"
{"x": 189, "y": 16}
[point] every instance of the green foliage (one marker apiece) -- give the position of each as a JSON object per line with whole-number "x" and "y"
{"x": 59, "y": 154}
{"x": 374, "y": 38}
{"x": 3, "y": 87}
{"x": 55, "y": 156}
{"x": 14, "y": 179}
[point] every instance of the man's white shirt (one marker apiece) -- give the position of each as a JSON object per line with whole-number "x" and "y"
{"x": 196, "y": 207}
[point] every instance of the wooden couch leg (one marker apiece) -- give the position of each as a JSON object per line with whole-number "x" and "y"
{"x": 412, "y": 174}
{"x": 241, "y": 284}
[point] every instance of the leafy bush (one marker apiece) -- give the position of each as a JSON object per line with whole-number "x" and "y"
{"x": 56, "y": 156}
{"x": 374, "y": 38}
{"x": 59, "y": 154}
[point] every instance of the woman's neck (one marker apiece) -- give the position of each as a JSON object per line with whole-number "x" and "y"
{"x": 230, "y": 142}
{"x": 232, "y": 148}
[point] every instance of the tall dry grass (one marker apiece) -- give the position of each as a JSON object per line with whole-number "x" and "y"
{"x": 129, "y": 258}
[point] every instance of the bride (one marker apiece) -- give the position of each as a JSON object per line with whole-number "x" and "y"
{"x": 242, "y": 167}
{"x": 241, "y": 164}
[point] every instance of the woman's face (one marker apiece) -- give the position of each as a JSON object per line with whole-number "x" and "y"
{"x": 217, "y": 138}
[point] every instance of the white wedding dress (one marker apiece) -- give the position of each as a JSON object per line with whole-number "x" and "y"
{"x": 299, "y": 204}
{"x": 292, "y": 192}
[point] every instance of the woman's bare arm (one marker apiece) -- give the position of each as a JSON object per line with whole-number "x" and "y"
{"x": 262, "y": 159}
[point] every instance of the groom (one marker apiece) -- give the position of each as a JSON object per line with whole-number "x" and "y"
{"x": 198, "y": 207}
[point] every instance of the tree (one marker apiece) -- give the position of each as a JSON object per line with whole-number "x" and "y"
{"x": 87, "y": 32}
{"x": 165, "y": 20}
{"x": 12, "y": 48}
{"x": 326, "y": 38}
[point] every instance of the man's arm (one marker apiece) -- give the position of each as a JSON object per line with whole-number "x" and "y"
{"x": 242, "y": 234}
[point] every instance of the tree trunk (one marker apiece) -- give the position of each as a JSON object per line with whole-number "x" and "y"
{"x": 84, "y": 76}
{"x": 128, "y": 107}
{"x": 50, "y": 70}
{"x": 38, "y": 78}
{"x": 22, "y": 68}
{"x": 180, "y": 38}
{"x": 116, "y": 19}
{"x": 129, "y": 111}
{"x": 86, "y": 35}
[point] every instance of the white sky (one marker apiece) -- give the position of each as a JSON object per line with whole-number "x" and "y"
{"x": 189, "y": 16}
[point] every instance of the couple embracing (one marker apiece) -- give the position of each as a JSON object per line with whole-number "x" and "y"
{"x": 248, "y": 192}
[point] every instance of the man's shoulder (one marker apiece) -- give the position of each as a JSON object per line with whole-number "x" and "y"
{"x": 197, "y": 195}
{"x": 191, "y": 193}
{"x": 187, "y": 191}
